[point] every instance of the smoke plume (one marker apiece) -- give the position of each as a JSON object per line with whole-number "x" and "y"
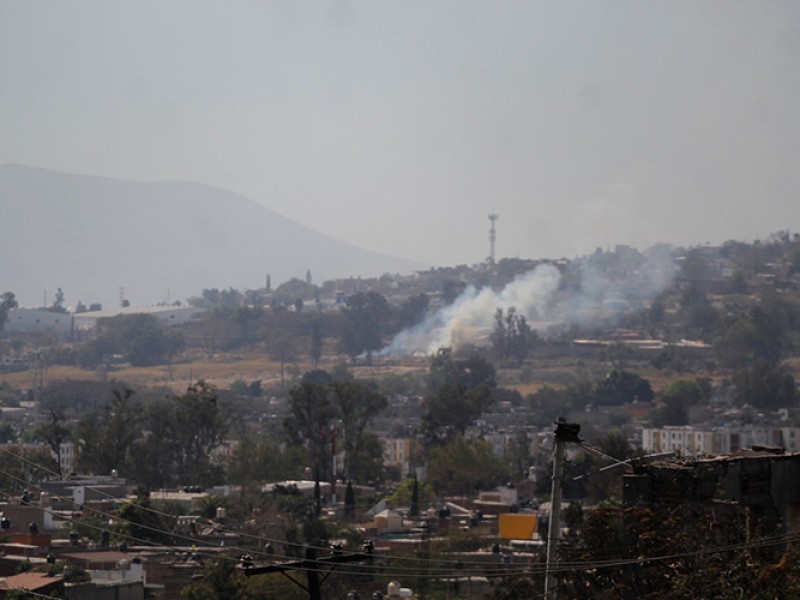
{"x": 472, "y": 313}
{"x": 594, "y": 291}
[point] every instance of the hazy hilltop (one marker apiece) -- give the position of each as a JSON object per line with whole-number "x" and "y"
{"x": 160, "y": 240}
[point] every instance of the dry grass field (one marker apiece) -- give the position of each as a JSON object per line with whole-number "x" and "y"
{"x": 250, "y": 366}
{"x": 220, "y": 372}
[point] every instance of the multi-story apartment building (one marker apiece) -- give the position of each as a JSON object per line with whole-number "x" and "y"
{"x": 690, "y": 441}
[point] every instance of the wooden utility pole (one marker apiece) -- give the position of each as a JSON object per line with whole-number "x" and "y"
{"x": 565, "y": 432}
{"x": 313, "y": 568}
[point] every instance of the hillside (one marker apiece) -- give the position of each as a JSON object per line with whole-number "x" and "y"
{"x": 161, "y": 240}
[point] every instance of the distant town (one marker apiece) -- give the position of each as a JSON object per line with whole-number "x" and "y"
{"x": 623, "y": 424}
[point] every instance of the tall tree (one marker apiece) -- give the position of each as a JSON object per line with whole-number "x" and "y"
{"x": 58, "y": 303}
{"x": 108, "y": 435}
{"x": 463, "y": 466}
{"x": 307, "y": 422}
{"x": 412, "y": 311}
{"x": 621, "y": 387}
{"x": 449, "y": 412}
{"x": 765, "y": 386}
{"x": 763, "y": 334}
{"x": 357, "y": 404}
{"x": 512, "y": 337}
{"x": 460, "y": 390}
{"x": 315, "y": 350}
{"x": 21, "y": 466}
{"x": 155, "y": 455}
{"x": 413, "y": 510}
{"x": 140, "y": 338}
{"x": 349, "y": 502}
{"x": 54, "y": 431}
{"x": 200, "y": 427}
{"x": 7, "y": 301}
{"x": 364, "y": 314}
{"x": 470, "y": 373}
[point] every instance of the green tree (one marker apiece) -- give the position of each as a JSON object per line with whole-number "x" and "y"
{"x": 282, "y": 346}
{"x": 616, "y": 445}
{"x": 108, "y": 435}
{"x": 200, "y": 425}
{"x": 449, "y": 412}
{"x": 469, "y": 374}
{"x": 687, "y": 390}
{"x": 262, "y": 459}
{"x": 364, "y": 318}
{"x": 54, "y": 431}
{"x": 214, "y": 297}
{"x": 21, "y": 467}
{"x": 357, "y": 405}
{"x": 7, "y": 433}
{"x": 308, "y": 420}
{"x": 621, "y": 387}
{"x": 403, "y": 495}
{"x": 765, "y": 386}
{"x": 179, "y": 434}
{"x": 413, "y": 509}
{"x": 368, "y": 463}
{"x": 220, "y": 581}
{"x": 512, "y": 337}
{"x": 140, "y": 521}
{"x": 412, "y": 311}
{"x": 518, "y": 455}
{"x": 679, "y": 396}
{"x": 153, "y": 458}
{"x": 7, "y": 301}
{"x": 140, "y": 338}
{"x": 762, "y": 334}
{"x": 463, "y": 466}
{"x": 58, "y": 303}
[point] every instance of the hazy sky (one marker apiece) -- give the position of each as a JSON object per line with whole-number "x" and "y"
{"x": 399, "y": 125}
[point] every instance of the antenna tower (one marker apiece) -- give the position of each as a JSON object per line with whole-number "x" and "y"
{"x": 492, "y": 236}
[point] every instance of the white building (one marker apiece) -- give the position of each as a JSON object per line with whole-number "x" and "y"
{"x": 27, "y": 321}
{"x": 397, "y": 453}
{"x": 688, "y": 441}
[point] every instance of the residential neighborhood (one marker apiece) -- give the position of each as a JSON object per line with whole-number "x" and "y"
{"x": 308, "y": 441}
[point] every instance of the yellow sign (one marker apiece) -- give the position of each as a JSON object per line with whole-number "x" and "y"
{"x": 516, "y": 526}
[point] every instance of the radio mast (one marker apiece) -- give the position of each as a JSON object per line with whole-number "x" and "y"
{"x": 492, "y": 236}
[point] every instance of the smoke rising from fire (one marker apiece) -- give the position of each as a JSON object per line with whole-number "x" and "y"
{"x": 586, "y": 293}
{"x": 472, "y": 313}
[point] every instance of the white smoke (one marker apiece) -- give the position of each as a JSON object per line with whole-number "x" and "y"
{"x": 586, "y": 294}
{"x": 472, "y": 313}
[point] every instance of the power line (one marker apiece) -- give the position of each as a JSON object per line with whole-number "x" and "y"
{"x": 430, "y": 571}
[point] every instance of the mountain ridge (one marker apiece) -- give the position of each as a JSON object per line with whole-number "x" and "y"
{"x": 159, "y": 240}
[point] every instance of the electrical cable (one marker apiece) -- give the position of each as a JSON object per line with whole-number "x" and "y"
{"x": 199, "y": 542}
{"x": 200, "y": 553}
{"x": 527, "y": 570}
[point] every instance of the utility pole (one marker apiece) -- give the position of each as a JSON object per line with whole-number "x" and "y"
{"x": 316, "y": 569}
{"x": 565, "y": 432}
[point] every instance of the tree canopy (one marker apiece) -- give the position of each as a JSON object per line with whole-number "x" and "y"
{"x": 621, "y": 387}
{"x": 364, "y": 315}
